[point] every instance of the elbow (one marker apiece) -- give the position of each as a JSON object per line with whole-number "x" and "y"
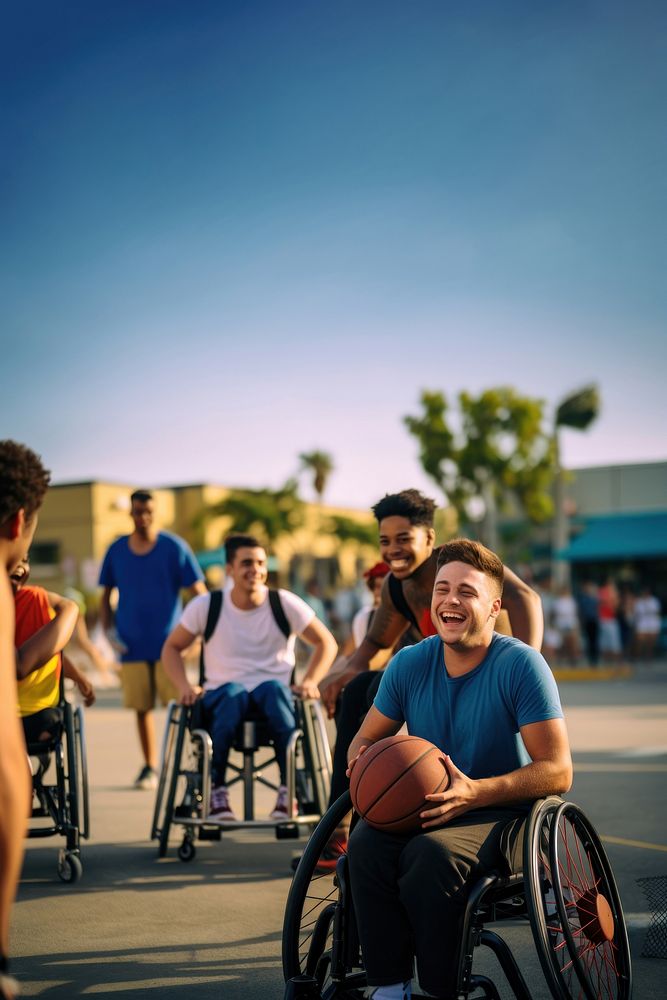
{"x": 564, "y": 778}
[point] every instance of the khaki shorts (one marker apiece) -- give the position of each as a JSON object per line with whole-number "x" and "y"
{"x": 142, "y": 682}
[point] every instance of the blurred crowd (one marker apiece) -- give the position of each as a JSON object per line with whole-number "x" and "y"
{"x": 594, "y": 623}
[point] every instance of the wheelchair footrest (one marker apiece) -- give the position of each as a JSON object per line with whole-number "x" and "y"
{"x": 287, "y": 831}
{"x": 210, "y": 833}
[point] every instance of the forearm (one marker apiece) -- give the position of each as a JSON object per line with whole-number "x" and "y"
{"x": 360, "y": 660}
{"x": 106, "y": 616}
{"x": 71, "y": 672}
{"x": 524, "y": 608}
{"x": 321, "y": 659}
{"x": 49, "y": 640}
{"x": 174, "y": 667}
{"x": 534, "y": 781}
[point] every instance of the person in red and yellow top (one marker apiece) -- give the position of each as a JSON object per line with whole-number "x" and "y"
{"x": 44, "y": 625}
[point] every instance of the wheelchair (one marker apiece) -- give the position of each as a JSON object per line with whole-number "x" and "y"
{"x": 60, "y": 790}
{"x": 184, "y": 784}
{"x": 566, "y": 892}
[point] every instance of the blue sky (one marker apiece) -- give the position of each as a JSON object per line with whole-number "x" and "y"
{"x": 232, "y": 232}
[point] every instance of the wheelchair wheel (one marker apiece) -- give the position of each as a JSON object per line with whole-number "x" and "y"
{"x": 575, "y": 909}
{"x": 314, "y": 767}
{"x": 176, "y": 732}
{"x": 313, "y": 915}
{"x": 70, "y": 868}
{"x": 187, "y": 850}
{"x": 70, "y": 794}
{"x": 81, "y": 774}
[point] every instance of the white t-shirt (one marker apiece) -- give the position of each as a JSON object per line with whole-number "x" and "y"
{"x": 565, "y": 613}
{"x": 247, "y": 646}
{"x": 647, "y": 615}
{"x": 360, "y": 624}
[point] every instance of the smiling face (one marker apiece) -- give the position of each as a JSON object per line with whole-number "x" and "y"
{"x": 404, "y": 546}
{"x": 465, "y": 606}
{"x": 248, "y": 570}
{"x": 19, "y": 576}
{"x": 142, "y": 513}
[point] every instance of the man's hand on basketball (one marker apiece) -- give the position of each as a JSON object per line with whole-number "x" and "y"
{"x": 354, "y": 760}
{"x": 188, "y": 695}
{"x": 458, "y": 798}
{"x": 307, "y": 689}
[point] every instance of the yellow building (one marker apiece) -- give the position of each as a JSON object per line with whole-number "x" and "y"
{"x": 79, "y": 521}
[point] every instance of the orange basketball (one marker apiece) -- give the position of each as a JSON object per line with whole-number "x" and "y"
{"x": 389, "y": 782}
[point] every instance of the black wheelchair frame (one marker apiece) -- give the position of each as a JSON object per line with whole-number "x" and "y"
{"x": 184, "y": 785}
{"x": 63, "y": 801}
{"x": 566, "y": 892}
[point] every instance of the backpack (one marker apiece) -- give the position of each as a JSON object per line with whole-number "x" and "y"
{"x": 214, "y": 610}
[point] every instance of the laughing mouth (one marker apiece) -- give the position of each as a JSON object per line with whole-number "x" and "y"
{"x": 399, "y": 563}
{"x": 452, "y": 618}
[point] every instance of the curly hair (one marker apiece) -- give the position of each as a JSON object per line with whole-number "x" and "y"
{"x": 408, "y": 503}
{"x": 23, "y": 480}
{"x": 476, "y": 555}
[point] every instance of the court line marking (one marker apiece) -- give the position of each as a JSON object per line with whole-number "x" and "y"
{"x": 620, "y": 767}
{"x": 633, "y": 843}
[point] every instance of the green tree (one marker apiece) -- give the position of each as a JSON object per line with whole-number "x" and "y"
{"x": 269, "y": 514}
{"x": 321, "y": 465}
{"x": 349, "y": 530}
{"x": 499, "y": 452}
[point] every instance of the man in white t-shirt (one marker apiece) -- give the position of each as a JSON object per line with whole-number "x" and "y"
{"x": 248, "y": 663}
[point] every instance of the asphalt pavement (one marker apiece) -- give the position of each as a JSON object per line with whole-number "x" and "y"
{"x": 139, "y": 926}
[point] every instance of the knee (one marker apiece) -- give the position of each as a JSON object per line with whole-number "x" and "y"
{"x": 430, "y": 861}
{"x": 276, "y": 700}
{"x": 364, "y": 845}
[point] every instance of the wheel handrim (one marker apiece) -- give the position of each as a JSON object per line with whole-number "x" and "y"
{"x": 588, "y": 910}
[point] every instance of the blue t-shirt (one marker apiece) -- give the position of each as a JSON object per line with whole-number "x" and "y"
{"x": 149, "y": 591}
{"x": 474, "y": 718}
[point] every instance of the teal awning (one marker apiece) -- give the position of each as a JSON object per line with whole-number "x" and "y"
{"x": 619, "y": 536}
{"x": 216, "y": 557}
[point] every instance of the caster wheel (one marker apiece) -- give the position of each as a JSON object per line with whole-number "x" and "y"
{"x": 70, "y": 868}
{"x": 187, "y": 850}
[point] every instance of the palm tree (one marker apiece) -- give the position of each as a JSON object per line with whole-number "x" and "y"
{"x": 321, "y": 465}
{"x": 269, "y": 514}
{"x": 577, "y": 411}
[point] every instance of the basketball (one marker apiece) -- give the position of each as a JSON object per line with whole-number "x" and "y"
{"x": 391, "y": 778}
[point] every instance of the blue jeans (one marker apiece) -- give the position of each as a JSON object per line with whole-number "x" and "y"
{"x": 228, "y": 705}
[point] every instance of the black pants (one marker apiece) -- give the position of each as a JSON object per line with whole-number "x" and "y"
{"x": 354, "y": 702}
{"x": 48, "y": 720}
{"x": 592, "y": 639}
{"x": 409, "y": 892}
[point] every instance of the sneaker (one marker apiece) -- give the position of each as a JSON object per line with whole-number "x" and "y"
{"x": 146, "y": 779}
{"x": 220, "y": 807}
{"x": 281, "y": 808}
{"x": 336, "y": 848}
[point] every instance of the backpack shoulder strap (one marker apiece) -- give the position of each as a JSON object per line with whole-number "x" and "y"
{"x": 214, "y": 609}
{"x": 279, "y": 613}
{"x": 399, "y": 601}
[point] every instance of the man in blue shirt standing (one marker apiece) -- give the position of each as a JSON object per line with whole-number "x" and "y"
{"x": 491, "y": 704}
{"x": 149, "y": 569}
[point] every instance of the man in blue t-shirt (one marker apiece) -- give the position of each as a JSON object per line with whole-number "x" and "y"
{"x": 491, "y": 704}
{"x": 149, "y": 569}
